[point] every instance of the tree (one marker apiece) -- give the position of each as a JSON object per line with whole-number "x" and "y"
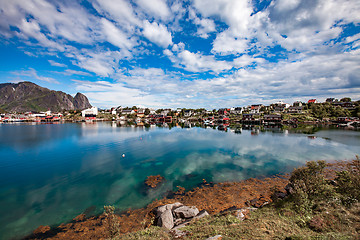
{"x": 345, "y": 99}
{"x": 147, "y": 111}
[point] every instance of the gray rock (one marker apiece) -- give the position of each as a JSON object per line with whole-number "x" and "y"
{"x": 166, "y": 219}
{"x": 178, "y": 233}
{"x": 159, "y": 210}
{"x": 186, "y": 212}
{"x": 201, "y": 214}
{"x": 183, "y": 224}
{"x": 242, "y": 212}
{"x": 289, "y": 189}
{"x": 217, "y": 237}
{"x": 280, "y": 195}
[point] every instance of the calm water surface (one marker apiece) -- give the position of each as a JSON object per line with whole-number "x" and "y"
{"x": 51, "y": 173}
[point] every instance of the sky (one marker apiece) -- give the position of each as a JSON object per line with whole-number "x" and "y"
{"x": 190, "y": 53}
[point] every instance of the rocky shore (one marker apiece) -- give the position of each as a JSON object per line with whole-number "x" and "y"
{"x": 208, "y": 199}
{"x": 236, "y": 199}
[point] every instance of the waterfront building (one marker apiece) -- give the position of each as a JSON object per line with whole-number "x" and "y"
{"x": 90, "y": 112}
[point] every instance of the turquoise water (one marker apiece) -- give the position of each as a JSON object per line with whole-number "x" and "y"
{"x": 50, "y": 173}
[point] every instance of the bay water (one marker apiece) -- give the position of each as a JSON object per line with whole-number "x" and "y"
{"x": 50, "y": 173}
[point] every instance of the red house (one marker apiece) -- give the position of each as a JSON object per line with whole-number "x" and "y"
{"x": 312, "y": 101}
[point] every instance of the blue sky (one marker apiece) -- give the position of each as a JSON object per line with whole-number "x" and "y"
{"x": 199, "y": 53}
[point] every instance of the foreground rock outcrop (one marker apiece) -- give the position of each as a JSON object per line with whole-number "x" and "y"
{"x": 176, "y": 215}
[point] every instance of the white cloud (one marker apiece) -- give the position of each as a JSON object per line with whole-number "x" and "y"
{"x": 115, "y": 36}
{"x": 235, "y": 13}
{"x": 120, "y": 11}
{"x": 225, "y": 44}
{"x": 56, "y": 64}
{"x": 102, "y": 63}
{"x": 156, "y": 8}
{"x": 157, "y": 33}
{"x": 196, "y": 62}
{"x": 69, "y": 21}
{"x": 105, "y": 94}
{"x": 32, "y": 73}
{"x": 205, "y": 25}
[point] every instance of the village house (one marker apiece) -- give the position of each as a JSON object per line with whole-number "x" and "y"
{"x": 127, "y": 112}
{"x": 295, "y": 109}
{"x": 330, "y": 100}
{"x": 188, "y": 113}
{"x": 222, "y": 111}
{"x": 236, "y": 110}
{"x": 280, "y": 106}
{"x": 312, "y": 101}
{"x": 345, "y": 105}
{"x": 251, "y": 119}
{"x": 90, "y": 112}
{"x": 297, "y": 104}
{"x": 255, "y": 108}
{"x": 165, "y": 112}
{"x": 272, "y": 119}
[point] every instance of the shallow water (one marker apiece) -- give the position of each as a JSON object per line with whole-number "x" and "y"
{"x": 50, "y": 173}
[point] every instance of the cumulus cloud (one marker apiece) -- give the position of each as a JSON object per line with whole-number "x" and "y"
{"x": 204, "y": 25}
{"x": 120, "y": 11}
{"x": 250, "y": 53}
{"x": 115, "y": 36}
{"x": 105, "y": 94}
{"x": 157, "y": 33}
{"x": 155, "y": 8}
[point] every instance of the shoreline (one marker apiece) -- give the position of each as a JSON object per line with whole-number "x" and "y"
{"x": 214, "y": 198}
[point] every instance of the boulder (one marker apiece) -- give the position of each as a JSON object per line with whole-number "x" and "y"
{"x": 166, "y": 219}
{"x": 279, "y": 195}
{"x": 159, "y": 210}
{"x": 201, "y": 214}
{"x": 186, "y": 212}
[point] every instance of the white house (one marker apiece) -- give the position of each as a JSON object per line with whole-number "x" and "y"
{"x": 236, "y": 110}
{"x": 90, "y": 112}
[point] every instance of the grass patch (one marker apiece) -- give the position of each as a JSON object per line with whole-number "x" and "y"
{"x": 149, "y": 233}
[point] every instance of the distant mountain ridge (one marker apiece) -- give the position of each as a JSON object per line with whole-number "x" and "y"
{"x": 27, "y": 96}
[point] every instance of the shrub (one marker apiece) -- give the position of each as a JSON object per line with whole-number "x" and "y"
{"x": 348, "y": 183}
{"x": 310, "y": 187}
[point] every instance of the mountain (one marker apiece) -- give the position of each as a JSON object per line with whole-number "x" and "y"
{"x": 27, "y": 96}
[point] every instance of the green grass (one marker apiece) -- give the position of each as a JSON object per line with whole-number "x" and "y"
{"x": 265, "y": 223}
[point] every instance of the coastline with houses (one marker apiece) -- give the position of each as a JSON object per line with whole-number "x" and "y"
{"x": 342, "y": 112}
